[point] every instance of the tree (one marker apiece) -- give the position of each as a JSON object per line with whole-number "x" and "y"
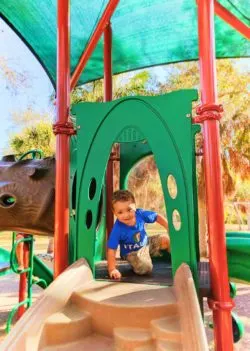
{"x": 14, "y": 79}
{"x": 123, "y": 85}
{"x": 144, "y": 182}
{"x": 37, "y": 135}
{"x": 34, "y": 129}
{"x": 233, "y": 93}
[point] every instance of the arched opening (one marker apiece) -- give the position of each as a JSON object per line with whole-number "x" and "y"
{"x": 123, "y": 124}
{"x": 144, "y": 182}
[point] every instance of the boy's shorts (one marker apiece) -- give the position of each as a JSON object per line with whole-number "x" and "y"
{"x": 141, "y": 260}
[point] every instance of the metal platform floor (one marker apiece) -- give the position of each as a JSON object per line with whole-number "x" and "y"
{"x": 161, "y": 275}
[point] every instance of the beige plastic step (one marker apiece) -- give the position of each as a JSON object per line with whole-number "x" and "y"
{"x": 167, "y": 328}
{"x": 74, "y": 305}
{"x": 163, "y": 345}
{"x": 66, "y": 326}
{"x": 146, "y": 348}
{"x": 93, "y": 342}
{"x": 129, "y": 339}
{"x": 124, "y": 304}
{"x": 26, "y": 334}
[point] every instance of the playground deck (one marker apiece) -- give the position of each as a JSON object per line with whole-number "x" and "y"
{"x": 161, "y": 275}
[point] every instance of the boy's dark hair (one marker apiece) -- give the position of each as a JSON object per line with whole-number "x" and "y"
{"x": 122, "y": 195}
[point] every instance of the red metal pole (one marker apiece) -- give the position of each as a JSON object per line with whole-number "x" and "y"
{"x": 233, "y": 21}
{"x": 108, "y": 97}
{"x": 107, "y": 14}
{"x": 23, "y": 276}
{"x": 62, "y": 139}
{"x": 108, "y": 63}
{"x": 220, "y": 302}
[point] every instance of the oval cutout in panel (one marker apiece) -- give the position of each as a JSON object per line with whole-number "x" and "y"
{"x": 89, "y": 219}
{"x": 176, "y": 219}
{"x": 92, "y": 188}
{"x": 172, "y": 186}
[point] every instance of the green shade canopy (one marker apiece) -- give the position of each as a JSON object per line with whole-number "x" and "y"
{"x": 145, "y": 32}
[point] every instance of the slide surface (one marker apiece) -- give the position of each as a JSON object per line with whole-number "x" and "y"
{"x": 42, "y": 271}
{"x": 4, "y": 262}
{"x": 238, "y": 252}
{"x": 77, "y": 312}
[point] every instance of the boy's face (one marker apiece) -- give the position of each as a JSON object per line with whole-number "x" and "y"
{"x": 125, "y": 212}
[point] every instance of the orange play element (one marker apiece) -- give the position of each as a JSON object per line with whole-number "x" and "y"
{"x": 78, "y": 313}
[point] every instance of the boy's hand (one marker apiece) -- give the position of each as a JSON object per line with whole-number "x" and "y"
{"x": 115, "y": 274}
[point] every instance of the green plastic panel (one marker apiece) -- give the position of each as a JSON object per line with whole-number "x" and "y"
{"x": 170, "y": 140}
{"x": 145, "y": 33}
{"x": 42, "y": 271}
{"x": 238, "y": 253}
{"x": 130, "y": 134}
{"x": 5, "y": 261}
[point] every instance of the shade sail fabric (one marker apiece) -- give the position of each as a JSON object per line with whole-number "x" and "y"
{"x": 145, "y": 32}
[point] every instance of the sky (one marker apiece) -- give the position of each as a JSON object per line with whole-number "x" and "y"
{"x": 34, "y": 92}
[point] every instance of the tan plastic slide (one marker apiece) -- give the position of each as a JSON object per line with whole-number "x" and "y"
{"x": 78, "y": 313}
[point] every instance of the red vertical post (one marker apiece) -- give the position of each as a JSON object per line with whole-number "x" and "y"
{"x": 62, "y": 130}
{"x": 108, "y": 97}
{"x": 108, "y": 63}
{"x": 23, "y": 276}
{"x": 220, "y": 303}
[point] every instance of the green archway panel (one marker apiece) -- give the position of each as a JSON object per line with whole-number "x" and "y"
{"x": 145, "y": 33}
{"x": 170, "y": 139}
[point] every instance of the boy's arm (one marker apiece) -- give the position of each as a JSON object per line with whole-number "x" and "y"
{"x": 162, "y": 221}
{"x": 113, "y": 272}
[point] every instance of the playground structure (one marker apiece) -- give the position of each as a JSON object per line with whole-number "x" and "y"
{"x": 168, "y": 128}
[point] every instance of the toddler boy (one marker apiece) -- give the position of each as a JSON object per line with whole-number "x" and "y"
{"x": 130, "y": 234}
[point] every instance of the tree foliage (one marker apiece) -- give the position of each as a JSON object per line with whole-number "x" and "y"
{"x": 123, "y": 85}
{"x": 233, "y": 94}
{"x": 14, "y": 79}
{"x": 35, "y": 133}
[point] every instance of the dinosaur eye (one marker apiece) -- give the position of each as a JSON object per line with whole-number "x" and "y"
{"x": 7, "y": 200}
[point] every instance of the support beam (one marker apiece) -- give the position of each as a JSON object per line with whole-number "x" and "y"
{"x": 108, "y": 97}
{"x": 233, "y": 21}
{"x": 62, "y": 139}
{"x": 107, "y": 14}
{"x": 24, "y": 253}
{"x": 108, "y": 63}
{"x": 209, "y": 114}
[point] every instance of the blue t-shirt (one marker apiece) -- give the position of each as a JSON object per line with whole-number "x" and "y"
{"x": 131, "y": 238}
